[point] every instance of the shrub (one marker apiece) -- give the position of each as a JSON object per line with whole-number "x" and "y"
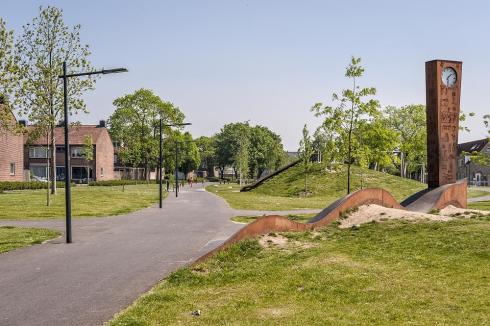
{"x": 111, "y": 183}
{"x": 26, "y": 185}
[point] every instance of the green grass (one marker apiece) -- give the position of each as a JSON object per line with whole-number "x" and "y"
{"x": 86, "y": 201}
{"x": 15, "y": 237}
{"x": 286, "y": 190}
{"x": 480, "y": 205}
{"x": 473, "y": 193}
{"x": 388, "y": 273}
{"x": 302, "y": 218}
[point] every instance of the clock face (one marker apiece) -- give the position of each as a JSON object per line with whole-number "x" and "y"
{"x": 449, "y": 77}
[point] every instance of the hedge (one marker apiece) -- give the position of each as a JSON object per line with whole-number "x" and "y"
{"x": 26, "y": 185}
{"x": 111, "y": 183}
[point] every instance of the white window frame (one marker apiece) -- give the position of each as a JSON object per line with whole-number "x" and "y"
{"x": 39, "y": 152}
{"x": 12, "y": 168}
{"x": 76, "y": 152}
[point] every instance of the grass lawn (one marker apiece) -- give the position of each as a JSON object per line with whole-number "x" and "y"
{"x": 473, "y": 193}
{"x": 86, "y": 201}
{"x": 481, "y": 205}
{"x": 16, "y": 237}
{"x": 386, "y": 273}
{"x": 302, "y": 218}
{"x": 286, "y": 190}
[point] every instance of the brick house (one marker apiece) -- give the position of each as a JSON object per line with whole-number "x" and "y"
{"x": 100, "y": 168}
{"x": 478, "y": 174}
{"x": 11, "y": 144}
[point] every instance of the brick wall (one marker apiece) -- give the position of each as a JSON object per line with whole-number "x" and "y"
{"x": 104, "y": 157}
{"x": 11, "y": 151}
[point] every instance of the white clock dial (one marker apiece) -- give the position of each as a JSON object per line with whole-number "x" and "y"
{"x": 449, "y": 77}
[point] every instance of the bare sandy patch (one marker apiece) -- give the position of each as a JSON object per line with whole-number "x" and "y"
{"x": 273, "y": 240}
{"x": 462, "y": 212}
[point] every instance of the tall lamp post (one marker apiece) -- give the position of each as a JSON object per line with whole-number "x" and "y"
{"x": 65, "y": 77}
{"x": 160, "y": 159}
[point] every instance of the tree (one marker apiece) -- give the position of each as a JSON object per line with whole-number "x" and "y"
{"x": 231, "y": 138}
{"x": 265, "y": 151}
{"x": 38, "y": 92}
{"x": 88, "y": 153}
{"x": 135, "y": 125}
{"x": 351, "y": 109}
{"x": 305, "y": 152}
{"x": 409, "y": 122}
{"x": 207, "y": 152}
{"x": 189, "y": 153}
{"x": 6, "y": 61}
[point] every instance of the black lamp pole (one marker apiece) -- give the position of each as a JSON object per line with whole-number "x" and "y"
{"x": 67, "y": 158}
{"x": 65, "y": 77}
{"x": 160, "y": 168}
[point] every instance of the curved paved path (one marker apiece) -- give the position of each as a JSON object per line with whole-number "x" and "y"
{"x": 111, "y": 262}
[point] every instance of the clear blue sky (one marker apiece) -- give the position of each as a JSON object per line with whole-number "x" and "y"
{"x": 270, "y": 61}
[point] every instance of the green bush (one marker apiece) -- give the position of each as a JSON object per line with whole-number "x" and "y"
{"x": 26, "y": 185}
{"x": 111, "y": 183}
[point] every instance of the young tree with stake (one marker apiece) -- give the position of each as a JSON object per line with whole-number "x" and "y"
{"x": 352, "y": 107}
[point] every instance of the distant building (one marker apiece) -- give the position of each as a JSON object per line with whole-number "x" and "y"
{"x": 100, "y": 168}
{"x": 11, "y": 153}
{"x": 478, "y": 174}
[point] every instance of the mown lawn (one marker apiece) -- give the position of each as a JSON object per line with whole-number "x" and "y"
{"x": 86, "y": 202}
{"x": 286, "y": 190}
{"x": 302, "y": 218}
{"x": 388, "y": 273}
{"x": 481, "y": 205}
{"x": 16, "y": 237}
{"x": 474, "y": 193}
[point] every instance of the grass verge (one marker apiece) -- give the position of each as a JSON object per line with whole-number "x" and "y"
{"x": 480, "y": 205}
{"x": 380, "y": 273}
{"x": 302, "y": 218}
{"x": 474, "y": 193}
{"x": 86, "y": 202}
{"x": 16, "y": 237}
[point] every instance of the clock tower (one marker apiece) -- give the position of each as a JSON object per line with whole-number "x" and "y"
{"x": 443, "y": 90}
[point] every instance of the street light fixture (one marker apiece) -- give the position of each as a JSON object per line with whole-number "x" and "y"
{"x": 160, "y": 160}
{"x": 65, "y": 77}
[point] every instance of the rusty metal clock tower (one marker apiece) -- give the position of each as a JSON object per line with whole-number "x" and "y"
{"x": 443, "y": 93}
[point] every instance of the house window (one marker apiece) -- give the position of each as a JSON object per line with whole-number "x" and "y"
{"x": 39, "y": 152}
{"x": 12, "y": 168}
{"x": 101, "y": 172}
{"x": 77, "y": 152}
{"x": 38, "y": 171}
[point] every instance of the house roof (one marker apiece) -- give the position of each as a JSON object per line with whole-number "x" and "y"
{"x": 76, "y": 133}
{"x": 472, "y": 146}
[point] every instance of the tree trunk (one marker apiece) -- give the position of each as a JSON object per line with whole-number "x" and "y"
{"x": 48, "y": 190}
{"x": 53, "y": 160}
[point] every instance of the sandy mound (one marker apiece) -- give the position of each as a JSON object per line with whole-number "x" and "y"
{"x": 368, "y": 213}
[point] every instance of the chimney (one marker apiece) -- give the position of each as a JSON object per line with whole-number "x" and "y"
{"x": 23, "y": 123}
{"x": 102, "y": 123}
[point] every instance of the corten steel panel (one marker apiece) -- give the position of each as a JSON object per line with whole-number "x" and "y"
{"x": 442, "y": 109}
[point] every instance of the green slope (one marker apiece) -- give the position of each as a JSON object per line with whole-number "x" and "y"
{"x": 286, "y": 190}
{"x": 327, "y": 183}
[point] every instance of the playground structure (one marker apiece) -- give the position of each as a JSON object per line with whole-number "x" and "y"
{"x": 424, "y": 202}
